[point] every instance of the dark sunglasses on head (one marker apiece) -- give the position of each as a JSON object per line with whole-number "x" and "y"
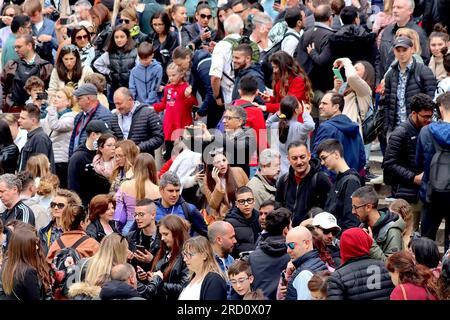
{"x": 125, "y": 21}
{"x": 56, "y": 204}
{"x": 207, "y": 16}
{"x": 85, "y": 36}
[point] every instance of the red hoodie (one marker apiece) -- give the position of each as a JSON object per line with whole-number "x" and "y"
{"x": 355, "y": 242}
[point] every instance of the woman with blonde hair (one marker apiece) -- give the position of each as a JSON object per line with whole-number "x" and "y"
{"x": 143, "y": 185}
{"x": 382, "y": 20}
{"x": 46, "y": 191}
{"x": 125, "y": 154}
{"x": 207, "y": 281}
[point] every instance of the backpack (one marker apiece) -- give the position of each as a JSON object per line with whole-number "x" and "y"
{"x": 244, "y": 39}
{"x": 65, "y": 265}
{"x": 439, "y": 182}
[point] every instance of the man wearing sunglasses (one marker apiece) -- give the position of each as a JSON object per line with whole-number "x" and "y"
{"x": 327, "y": 229}
{"x": 383, "y": 226}
{"x": 244, "y": 219}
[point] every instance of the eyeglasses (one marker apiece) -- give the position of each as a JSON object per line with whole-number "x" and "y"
{"x": 322, "y": 159}
{"x": 85, "y": 36}
{"x": 427, "y": 117}
{"x": 240, "y": 281}
{"x": 188, "y": 255}
{"x": 205, "y": 16}
{"x": 228, "y": 118}
{"x": 139, "y": 214}
{"x": 11, "y": 15}
{"x": 125, "y": 21}
{"x": 357, "y": 207}
{"x": 243, "y": 201}
{"x": 334, "y": 232}
{"x": 60, "y": 205}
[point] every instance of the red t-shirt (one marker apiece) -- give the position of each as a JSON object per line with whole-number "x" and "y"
{"x": 412, "y": 292}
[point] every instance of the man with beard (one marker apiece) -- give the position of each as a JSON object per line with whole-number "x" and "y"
{"x": 326, "y": 229}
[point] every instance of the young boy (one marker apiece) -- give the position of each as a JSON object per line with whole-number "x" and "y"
{"x": 339, "y": 202}
{"x": 145, "y": 77}
{"x": 241, "y": 279}
{"x": 33, "y": 86}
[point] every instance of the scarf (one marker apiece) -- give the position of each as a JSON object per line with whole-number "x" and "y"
{"x": 60, "y": 113}
{"x": 134, "y": 32}
{"x": 84, "y": 53}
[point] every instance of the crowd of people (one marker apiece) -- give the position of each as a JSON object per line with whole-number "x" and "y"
{"x": 220, "y": 150}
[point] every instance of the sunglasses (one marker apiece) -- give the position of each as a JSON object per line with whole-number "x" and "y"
{"x": 291, "y": 245}
{"x": 57, "y": 204}
{"x": 125, "y": 21}
{"x": 334, "y": 232}
{"x": 205, "y": 16}
{"x": 243, "y": 201}
{"x": 82, "y": 37}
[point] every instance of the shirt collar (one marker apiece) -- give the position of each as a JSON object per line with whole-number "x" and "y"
{"x": 136, "y": 104}
{"x": 408, "y": 66}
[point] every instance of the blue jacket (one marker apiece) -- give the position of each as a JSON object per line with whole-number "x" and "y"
{"x": 45, "y": 49}
{"x": 340, "y": 127}
{"x": 145, "y": 81}
{"x": 426, "y": 150}
{"x": 201, "y": 81}
{"x": 100, "y": 113}
{"x": 253, "y": 70}
{"x": 198, "y": 224}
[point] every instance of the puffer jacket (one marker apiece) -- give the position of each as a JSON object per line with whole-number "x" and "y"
{"x": 399, "y": 163}
{"x": 247, "y": 230}
{"x": 310, "y": 261}
{"x": 118, "y": 290}
{"x": 360, "y": 278}
{"x": 120, "y": 64}
{"x": 145, "y": 130}
{"x": 420, "y": 79}
{"x": 267, "y": 262}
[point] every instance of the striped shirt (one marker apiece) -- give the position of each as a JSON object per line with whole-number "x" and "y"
{"x": 19, "y": 212}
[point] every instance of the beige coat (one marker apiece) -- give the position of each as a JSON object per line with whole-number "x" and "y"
{"x": 56, "y": 84}
{"x": 262, "y": 190}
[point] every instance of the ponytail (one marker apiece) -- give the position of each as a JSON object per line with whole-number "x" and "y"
{"x": 288, "y": 105}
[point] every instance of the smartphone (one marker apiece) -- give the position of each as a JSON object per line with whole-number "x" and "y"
{"x": 200, "y": 167}
{"x": 277, "y": 1}
{"x": 338, "y": 74}
{"x": 42, "y": 96}
{"x": 140, "y": 248}
{"x": 64, "y": 21}
{"x": 283, "y": 278}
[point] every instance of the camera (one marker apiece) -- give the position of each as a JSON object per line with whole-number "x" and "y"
{"x": 42, "y": 96}
{"x": 64, "y": 21}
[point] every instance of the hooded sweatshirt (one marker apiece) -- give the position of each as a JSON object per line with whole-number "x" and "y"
{"x": 145, "y": 81}
{"x": 355, "y": 243}
{"x": 252, "y": 70}
{"x": 340, "y": 127}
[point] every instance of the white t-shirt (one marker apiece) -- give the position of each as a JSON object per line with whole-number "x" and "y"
{"x": 191, "y": 291}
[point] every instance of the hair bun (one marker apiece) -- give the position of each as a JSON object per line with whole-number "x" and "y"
{"x": 439, "y": 27}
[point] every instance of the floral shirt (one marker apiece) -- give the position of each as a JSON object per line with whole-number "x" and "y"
{"x": 401, "y": 93}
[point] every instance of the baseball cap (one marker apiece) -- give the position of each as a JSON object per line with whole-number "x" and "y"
{"x": 404, "y": 42}
{"x": 326, "y": 221}
{"x": 85, "y": 89}
{"x": 97, "y": 126}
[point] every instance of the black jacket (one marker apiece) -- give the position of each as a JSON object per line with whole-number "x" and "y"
{"x": 247, "y": 230}
{"x": 399, "y": 161}
{"x": 29, "y": 289}
{"x": 309, "y": 261}
{"x": 95, "y": 230}
{"x": 152, "y": 244}
{"x": 120, "y": 64}
{"x": 37, "y": 142}
{"x": 360, "y": 278}
{"x": 20, "y": 211}
{"x": 214, "y": 287}
{"x": 118, "y": 290}
{"x": 9, "y": 156}
{"x": 339, "y": 202}
{"x": 255, "y": 71}
{"x": 311, "y": 192}
{"x": 267, "y": 262}
{"x": 145, "y": 131}
{"x": 167, "y": 290}
{"x": 420, "y": 79}
{"x": 163, "y": 51}
{"x": 194, "y": 32}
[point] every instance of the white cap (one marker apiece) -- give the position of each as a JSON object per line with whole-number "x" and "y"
{"x": 326, "y": 221}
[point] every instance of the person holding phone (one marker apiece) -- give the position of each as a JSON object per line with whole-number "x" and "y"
{"x": 201, "y": 33}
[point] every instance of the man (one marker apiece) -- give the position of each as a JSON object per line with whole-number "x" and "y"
{"x": 20, "y": 25}
{"x": 43, "y": 29}
{"x": 81, "y": 177}
{"x": 10, "y": 187}
{"x": 244, "y": 219}
{"x": 270, "y": 257}
{"x": 406, "y": 78}
{"x": 221, "y": 72}
{"x": 402, "y": 11}
{"x": 91, "y": 108}
{"x": 352, "y": 40}
{"x": 265, "y": 208}
{"x": 314, "y": 52}
{"x": 137, "y": 122}
{"x": 306, "y": 261}
{"x": 16, "y": 72}
{"x": 326, "y": 229}
{"x": 339, "y": 126}
{"x": 37, "y": 139}
{"x": 305, "y": 186}
{"x": 383, "y": 226}
{"x": 399, "y": 165}
{"x": 295, "y": 19}
{"x": 264, "y": 181}
{"x": 123, "y": 284}
{"x": 144, "y": 242}
{"x": 432, "y": 139}
{"x": 171, "y": 202}
{"x": 339, "y": 203}
{"x": 242, "y": 8}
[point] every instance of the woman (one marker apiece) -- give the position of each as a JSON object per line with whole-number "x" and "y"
{"x": 9, "y": 12}
{"x": 220, "y": 184}
{"x": 104, "y": 161}
{"x": 9, "y": 152}
{"x": 207, "y": 281}
{"x": 443, "y": 283}
{"x": 101, "y": 19}
{"x": 426, "y": 252}
{"x": 81, "y": 38}
{"x": 128, "y": 19}
{"x": 170, "y": 273}
{"x": 45, "y": 193}
{"x": 19, "y": 135}
{"x": 125, "y": 154}
{"x": 62, "y": 199}
{"x": 439, "y": 40}
{"x": 178, "y": 15}
{"x": 382, "y": 20}
{"x": 101, "y": 213}
{"x": 143, "y": 185}
{"x": 285, "y": 128}
{"x": 39, "y": 166}
{"x": 404, "y": 210}
{"x": 164, "y": 40}
{"x": 68, "y": 71}
{"x": 25, "y": 273}
{"x": 221, "y": 15}
{"x": 412, "y": 281}
{"x": 58, "y": 124}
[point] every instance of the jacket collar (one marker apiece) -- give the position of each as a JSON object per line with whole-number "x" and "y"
{"x": 32, "y": 133}
{"x": 307, "y": 256}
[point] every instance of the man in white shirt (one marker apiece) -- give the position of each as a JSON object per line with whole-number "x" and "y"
{"x": 296, "y": 21}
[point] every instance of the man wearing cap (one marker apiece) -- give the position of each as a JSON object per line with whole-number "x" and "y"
{"x": 80, "y": 178}
{"x": 91, "y": 109}
{"x": 326, "y": 229}
{"x": 404, "y": 80}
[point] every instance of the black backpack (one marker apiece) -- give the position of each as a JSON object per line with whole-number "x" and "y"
{"x": 439, "y": 182}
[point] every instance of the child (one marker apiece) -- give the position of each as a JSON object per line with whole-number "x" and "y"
{"x": 317, "y": 285}
{"x": 33, "y": 86}
{"x": 145, "y": 77}
{"x": 178, "y": 102}
{"x": 241, "y": 278}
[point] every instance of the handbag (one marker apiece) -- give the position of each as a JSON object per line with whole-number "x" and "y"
{"x": 372, "y": 125}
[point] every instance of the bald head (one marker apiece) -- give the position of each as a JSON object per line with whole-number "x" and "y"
{"x": 218, "y": 228}
{"x": 123, "y": 99}
{"x": 323, "y": 13}
{"x": 222, "y": 237}
{"x": 299, "y": 242}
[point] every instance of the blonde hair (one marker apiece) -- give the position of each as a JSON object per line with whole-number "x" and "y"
{"x": 113, "y": 251}
{"x": 388, "y": 5}
{"x": 413, "y": 36}
{"x": 144, "y": 169}
{"x": 48, "y": 185}
{"x": 68, "y": 92}
{"x": 129, "y": 12}
{"x": 173, "y": 66}
{"x": 38, "y": 165}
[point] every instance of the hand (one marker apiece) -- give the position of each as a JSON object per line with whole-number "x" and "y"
{"x": 48, "y": 10}
{"x": 188, "y": 92}
{"x": 159, "y": 274}
{"x": 282, "y": 290}
{"x": 310, "y": 48}
{"x": 200, "y": 176}
{"x": 277, "y": 7}
{"x": 197, "y": 116}
{"x": 44, "y": 38}
{"x": 215, "y": 175}
{"x": 129, "y": 255}
{"x": 145, "y": 257}
{"x": 219, "y": 102}
{"x": 7, "y": 20}
{"x": 161, "y": 89}
{"x": 264, "y": 96}
{"x": 306, "y": 107}
{"x": 337, "y": 83}
{"x": 418, "y": 179}
{"x": 369, "y": 231}
{"x": 205, "y": 35}
{"x": 141, "y": 274}
{"x": 290, "y": 268}
{"x": 261, "y": 106}
{"x": 212, "y": 45}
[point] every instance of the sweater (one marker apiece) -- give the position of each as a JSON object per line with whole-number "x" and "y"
{"x": 145, "y": 81}
{"x": 412, "y": 292}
